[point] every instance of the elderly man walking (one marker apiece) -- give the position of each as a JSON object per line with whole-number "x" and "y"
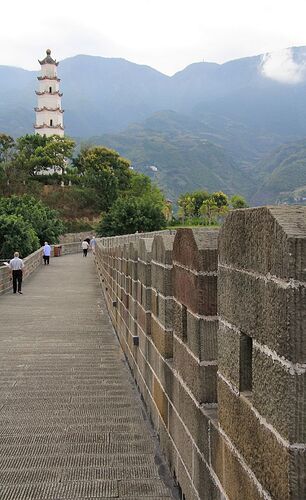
{"x": 46, "y": 253}
{"x": 16, "y": 266}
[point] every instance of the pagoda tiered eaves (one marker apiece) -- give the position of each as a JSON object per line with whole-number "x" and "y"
{"x": 44, "y": 125}
{"x": 44, "y": 108}
{"x": 45, "y": 92}
{"x": 49, "y": 78}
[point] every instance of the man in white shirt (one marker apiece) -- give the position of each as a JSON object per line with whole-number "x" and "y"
{"x": 46, "y": 253}
{"x": 16, "y": 266}
{"x": 85, "y": 246}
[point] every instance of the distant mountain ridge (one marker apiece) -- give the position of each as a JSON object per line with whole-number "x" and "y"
{"x": 213, "y": 123}
{"x": 107, "y": 94}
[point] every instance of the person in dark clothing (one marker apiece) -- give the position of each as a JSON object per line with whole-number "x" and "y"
{"x": 16, "y": 266}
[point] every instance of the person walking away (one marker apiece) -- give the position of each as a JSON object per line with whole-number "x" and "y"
{"x": 16, "y": 265}
{"x": 85, "y": 246}
{"x": 46, "y": 253}
{"x": 93, "y": 243}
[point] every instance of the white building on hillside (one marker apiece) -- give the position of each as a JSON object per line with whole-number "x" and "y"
{"x": 49, "y": 112}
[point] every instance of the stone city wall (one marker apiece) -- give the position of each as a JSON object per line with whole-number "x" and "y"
{"x": 213, "y": 328}
{"x": 32, "y": 262}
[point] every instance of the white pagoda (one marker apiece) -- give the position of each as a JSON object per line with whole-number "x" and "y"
{"x": 49, "y": 112}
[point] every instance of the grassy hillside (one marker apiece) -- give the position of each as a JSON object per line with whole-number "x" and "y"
{"x": 283, "y": 175}
{"x": 184, "y": 158}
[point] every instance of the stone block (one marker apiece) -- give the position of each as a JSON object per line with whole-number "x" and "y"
{"x": 162, "y": 308}
{"x": 201, "y": 336}
{"x": 265, "y": 455}
{"x": 145, "y": 249}
{"x": 153, "y": 357}
{"x": 200, "y": 379}
{"x": 162, "y": 338}
{"x": 148, "y": 377}
{"x": 297, "y": 478}
{"x": 162, "y": 248}
{"x": 196, "y": 249}
{"x": 181, "y": 439}
{"x": 229, "y": 354}
{"x": 265, "y": 310}
{"x": 267, "y": 240}
{"x": 133, "y": 306}
{"x": 179, "y": 325}
{"x": 144, "y": 273}
{"x": 185, "y": 482}
{"x": 197, "y": 292}
{"x": 195, "y": 418}
{"x": 161, "y": 400}
{"x": 162, "y": 279}
{"x": 169, "y": 380}
{"x": 202, "y": 479}
{"x": 144, "y": 320}
{"x": 167, "y": 447}
{"x": 234, "y": 478}
{"x": 154, "y": 303}
{"x": 134, "y": 289}
{"x": 279, "y": 395}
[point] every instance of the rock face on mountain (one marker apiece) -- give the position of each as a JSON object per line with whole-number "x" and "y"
{"x": 209, "y": 125}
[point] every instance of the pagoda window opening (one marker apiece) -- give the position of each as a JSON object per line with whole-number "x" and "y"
{"x": 50, "y": 90}
{"x": 51, "y": 123}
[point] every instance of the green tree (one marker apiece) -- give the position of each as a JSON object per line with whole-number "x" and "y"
{"x": 104, "y": 171}
{"x": 16, "y": 235}
{"x": 44, "y": 221}
{"x": 101, "y": 158}
{"x": 128, "y": 215}
{"x": 7, "y": 148}
{"x": 141, "y": 186}
{"x": 197, "y": 199}
{"x": 209, "y": 210}
{"x": 238, "y": 201}
{"x": 36, "y": 153}
{"x": 190, "y": 203}
{"x": 219, "y": 198}
{"x": 103, "y": 181}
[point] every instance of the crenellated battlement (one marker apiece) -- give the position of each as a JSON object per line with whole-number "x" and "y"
{"x": 213, "y": 325}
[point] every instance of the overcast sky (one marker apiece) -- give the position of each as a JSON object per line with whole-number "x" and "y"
{"x": 165, "y": 34}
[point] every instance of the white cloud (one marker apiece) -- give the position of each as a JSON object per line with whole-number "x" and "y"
{"x": 280, "y": 66}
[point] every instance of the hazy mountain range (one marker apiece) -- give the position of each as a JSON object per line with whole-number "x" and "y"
{"x": 216, "y": 126}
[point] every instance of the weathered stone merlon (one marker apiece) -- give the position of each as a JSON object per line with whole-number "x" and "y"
{"x": 221, "y": 320}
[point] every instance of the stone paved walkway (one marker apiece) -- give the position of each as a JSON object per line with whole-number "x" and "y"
{"x": 71, "y": 423}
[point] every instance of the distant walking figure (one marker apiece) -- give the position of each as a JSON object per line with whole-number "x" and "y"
{"x": 93, "y": 243}
{"x": 85, "y": 246}
{"x": 46, "y": 253}
{"x": 16, "y": 266}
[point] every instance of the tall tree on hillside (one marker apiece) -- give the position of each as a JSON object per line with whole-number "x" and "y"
{"x": 7, "y": 165}
{"x": 36, "y": 153}
{"x": 105, "y": 171}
